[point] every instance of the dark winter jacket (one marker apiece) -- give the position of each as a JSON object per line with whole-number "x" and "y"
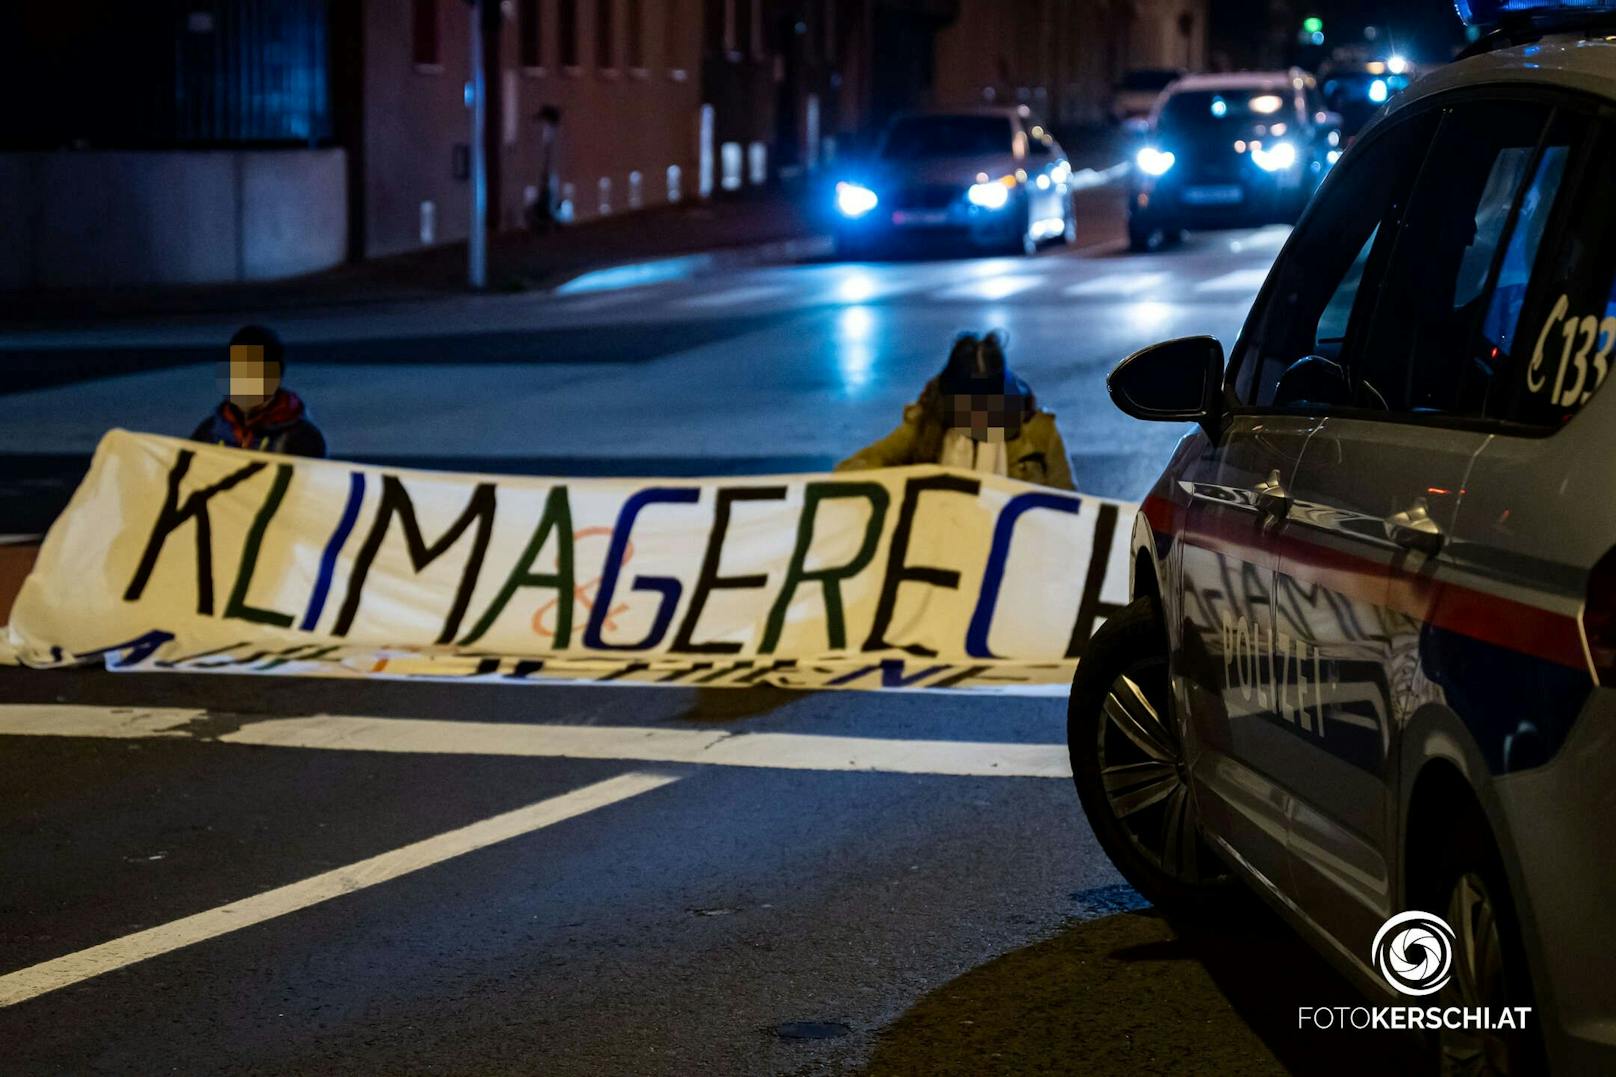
{"x": 282, "y": 426}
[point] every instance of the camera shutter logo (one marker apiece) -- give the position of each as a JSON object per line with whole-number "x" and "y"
{"x": 1414, "y": 952}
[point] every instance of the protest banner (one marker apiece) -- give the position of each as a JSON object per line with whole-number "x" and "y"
{"x": 179, "y": 556}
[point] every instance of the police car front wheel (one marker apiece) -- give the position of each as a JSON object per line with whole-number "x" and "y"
{"x": 1128, "y": 764}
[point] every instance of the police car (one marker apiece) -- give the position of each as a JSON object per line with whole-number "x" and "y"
{"x": 1369, "y": 667}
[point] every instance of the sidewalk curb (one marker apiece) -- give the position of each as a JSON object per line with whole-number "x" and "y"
{"x": 657, "y": 270}
{"x": 632, "y": 274}
{"x": 1088, "y": 179}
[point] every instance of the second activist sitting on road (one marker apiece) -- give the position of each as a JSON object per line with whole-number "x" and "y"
{"x": 976, "y": 415}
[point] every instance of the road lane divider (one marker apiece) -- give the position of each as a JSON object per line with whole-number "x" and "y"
{"x": 1240, "y": 280}
{"x": 637, "y": 744}
{"x": 57, "y": 973}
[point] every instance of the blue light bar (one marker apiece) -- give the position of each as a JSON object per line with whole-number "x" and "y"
{"x": 1488, "y": 13}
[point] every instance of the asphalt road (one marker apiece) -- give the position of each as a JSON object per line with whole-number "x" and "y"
{"x": 221, "y": 874}
{"x": 760, "y": 370}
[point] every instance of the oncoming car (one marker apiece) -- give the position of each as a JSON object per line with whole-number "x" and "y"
{"x": 1224, "y": 150}
{"x": 1370, "y": 662}
{"x": 988, "y": 177}
{"x": 1357, "y": 90}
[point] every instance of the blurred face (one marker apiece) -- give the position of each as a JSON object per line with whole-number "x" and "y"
{"x": 247, "y": 379}
{"x": 993, "y": 417}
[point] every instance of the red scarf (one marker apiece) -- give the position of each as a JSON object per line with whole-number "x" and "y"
{"x": 281, "y": 410}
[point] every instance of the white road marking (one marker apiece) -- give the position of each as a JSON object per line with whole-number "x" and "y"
{"x": 69, "y": 969}
{"x": 1271, "y": 238}
{"x": 730, "y": 297}
{"x": 1241, "y": 280}
{"x": 1119, "y": 284}
{"x": 76, "y": 720}
{"x": 1086, "y": 178}
{"x": 784, "y": 751}
{"x": 990, "y": 289}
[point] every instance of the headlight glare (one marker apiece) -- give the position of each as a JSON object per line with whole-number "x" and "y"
{"x": 1154, "y": 162}
{"x": 854, "y": 200}
{"x": 992, "y": 195}
{"x": 1275, "y": 158}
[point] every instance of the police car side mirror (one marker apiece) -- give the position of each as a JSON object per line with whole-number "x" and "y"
{"x": 1177, "y": 381}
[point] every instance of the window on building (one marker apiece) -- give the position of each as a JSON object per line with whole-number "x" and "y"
{"x": 718, "y": 27}
{"x": 531, "y": 31}
{"x": 424, "y": 41}
{"x": 606, "y": 35}
{"x": 567, "y": 32}
{"x": 673, "y": 36}
{"x": 634, "y": 33}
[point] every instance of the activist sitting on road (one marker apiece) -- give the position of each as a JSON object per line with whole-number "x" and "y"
{"x": 257, "y": 411}
{"x": 976, "y": 415}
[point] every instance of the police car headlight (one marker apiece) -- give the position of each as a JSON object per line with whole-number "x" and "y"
{"x": 1154, "y": 162}
{"x": 855, "y": 200}
{"x": 1379, "y": 92}
{"x": 991, "y": 195}
{"x": 1275, "y": 158}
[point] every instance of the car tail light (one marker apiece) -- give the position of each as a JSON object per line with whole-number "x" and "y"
{"x": 1599, "y": 620}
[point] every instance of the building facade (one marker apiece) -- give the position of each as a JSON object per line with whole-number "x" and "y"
{"x": 592, "y": 107}
{"x": 1063, "y": 57}
{"x": 181, "y": 141}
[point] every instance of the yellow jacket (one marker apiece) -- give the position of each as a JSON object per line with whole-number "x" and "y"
{"x": 1037, "y": 454}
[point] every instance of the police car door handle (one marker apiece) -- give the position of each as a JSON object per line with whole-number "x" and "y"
{"x": 1273, "y": 503}
{"x": 1413, "y": 529}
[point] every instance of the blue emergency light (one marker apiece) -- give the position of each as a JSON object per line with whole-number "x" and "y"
{"x": 1489, "y": 13}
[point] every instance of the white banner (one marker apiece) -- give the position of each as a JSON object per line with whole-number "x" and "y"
{"x": 179, "y": 556}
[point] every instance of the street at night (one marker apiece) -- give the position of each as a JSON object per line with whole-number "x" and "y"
{"x": 694, "y": 923}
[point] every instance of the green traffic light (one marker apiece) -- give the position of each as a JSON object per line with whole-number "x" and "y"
{"x": 1313, "y": 24}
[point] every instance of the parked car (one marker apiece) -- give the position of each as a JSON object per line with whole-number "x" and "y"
{"x": 1369, "y": 667}
{"x": 1225, "y": 150}
{"x": 983, "y": 177}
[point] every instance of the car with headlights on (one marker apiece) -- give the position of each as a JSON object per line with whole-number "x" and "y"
{"x": 1229, "y": 150}
{"x": 1369, "y": 665}
{"x": 979, "y": 177}
{"x": 1357, "y": 89}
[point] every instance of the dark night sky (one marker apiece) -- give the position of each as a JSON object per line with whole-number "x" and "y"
{"x": 1426, "y": 30}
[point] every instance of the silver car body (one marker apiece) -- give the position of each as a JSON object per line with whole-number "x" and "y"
{"x": 1379, "y": 613}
